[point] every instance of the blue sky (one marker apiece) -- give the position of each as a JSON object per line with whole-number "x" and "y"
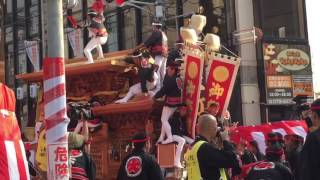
{"x": 314, "y": 39}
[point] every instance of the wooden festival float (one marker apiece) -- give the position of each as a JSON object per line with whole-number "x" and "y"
{"x": 208, "y": 76}
{"x": 106, "y": 80}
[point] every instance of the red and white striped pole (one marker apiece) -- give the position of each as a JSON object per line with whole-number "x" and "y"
{"x": 55, "y": 96}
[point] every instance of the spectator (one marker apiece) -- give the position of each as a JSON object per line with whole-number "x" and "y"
{"x": 139, "y": 165}
{"x": 254, "y": 149}
{"x": 309, "y": 161}
{"x": 205, "y": 161}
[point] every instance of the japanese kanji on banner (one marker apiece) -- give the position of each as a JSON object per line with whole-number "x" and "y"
{"x": 74, "y": 36}
{"x": 258, "y": 133}
{"x": 191, "y": 90}
{"x": 32, "y": 50}
{"x": 60, "y": 161}
{"x": 221, "y": 75}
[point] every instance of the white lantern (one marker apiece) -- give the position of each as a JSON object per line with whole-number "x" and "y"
{"x": 212, "y": 42}
{"x": 188, "y": 35}
{"x": 20, "y": 93}
{"x": 33, "y": 90}
{"x": 198, "y": 22}
{"x": 72, "y": 4}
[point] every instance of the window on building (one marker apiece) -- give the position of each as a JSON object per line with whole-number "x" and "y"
{"x": 113, "y": 33}
{"x": 129, "y": 28}
{"x": 283, "y": 19}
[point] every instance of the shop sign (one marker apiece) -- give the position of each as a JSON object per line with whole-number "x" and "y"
{"x": 293, "y": 59}
{"x": 287, "y": 72}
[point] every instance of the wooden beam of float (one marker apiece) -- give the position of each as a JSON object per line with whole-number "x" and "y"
{"x": 141, "y": 105}
{"x": 78, "y": 66}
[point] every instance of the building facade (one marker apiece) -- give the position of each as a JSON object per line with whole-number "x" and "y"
{"x": 257, "y": 97}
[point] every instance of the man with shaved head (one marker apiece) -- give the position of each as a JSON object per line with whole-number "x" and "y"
{"x": 205, "y": 161}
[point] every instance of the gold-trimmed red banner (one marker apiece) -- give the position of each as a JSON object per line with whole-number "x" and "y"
{"x": 191, "y": 90}
{"x": 220, "y": 80}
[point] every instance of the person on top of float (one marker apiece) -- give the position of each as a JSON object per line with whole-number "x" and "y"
{"x": 149, "y": 80}
{"x": 178, "y": 123}
{"x": 172, "y": 87}
{"x": 139, "y": 165}
{"x": 157, "y": 43}
{"x": 176, "y": 53}
{"x": 97, "y": 31}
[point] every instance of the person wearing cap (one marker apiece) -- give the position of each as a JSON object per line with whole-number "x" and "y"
{"x": 157, "y": 43}
{"x": 139, "y": 165}
{"x": 178, "y": 123}
{"x": 272, "y": 167}
{"x": 171, "y": 89}
{"x": 98, "y": 34}
{"x": 309, "y": 161}
{"x": 204, "y": 160}
{"x": 149, "y": 80}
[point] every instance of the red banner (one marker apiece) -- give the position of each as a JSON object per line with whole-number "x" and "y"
{"x": 220, "y": 81}
{"x": 191, "y": 91}
{"x": 258, "y": 133}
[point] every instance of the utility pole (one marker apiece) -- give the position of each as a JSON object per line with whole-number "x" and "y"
{"x": 55, "y": 96}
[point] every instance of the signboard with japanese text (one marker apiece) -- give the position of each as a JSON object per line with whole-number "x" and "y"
{"x": 221, "y": 75}
{"x": 59, "y": 161}
{"x": 288, "y": 72}
{"x": 192, "y": 85}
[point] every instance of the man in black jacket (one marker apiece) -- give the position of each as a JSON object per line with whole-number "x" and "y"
{"x": 149, "y": 80}
{"x": 172, "y": 86}
{"x": 139, "y": 165}
{"x": 309, "y": 163}
{"x": 273, "y": 168}
{"x": 204, "y": 160}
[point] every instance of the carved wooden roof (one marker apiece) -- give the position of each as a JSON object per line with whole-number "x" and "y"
{"x": 78, "y": 66}
{"x": 106, "y": 77}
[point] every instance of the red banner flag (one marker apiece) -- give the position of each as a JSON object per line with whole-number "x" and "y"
{"x": 191, "y": 90}
{"x": 220, "y": 80}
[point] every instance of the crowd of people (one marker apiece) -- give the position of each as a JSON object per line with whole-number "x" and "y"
{"x": 213, "y": 156}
